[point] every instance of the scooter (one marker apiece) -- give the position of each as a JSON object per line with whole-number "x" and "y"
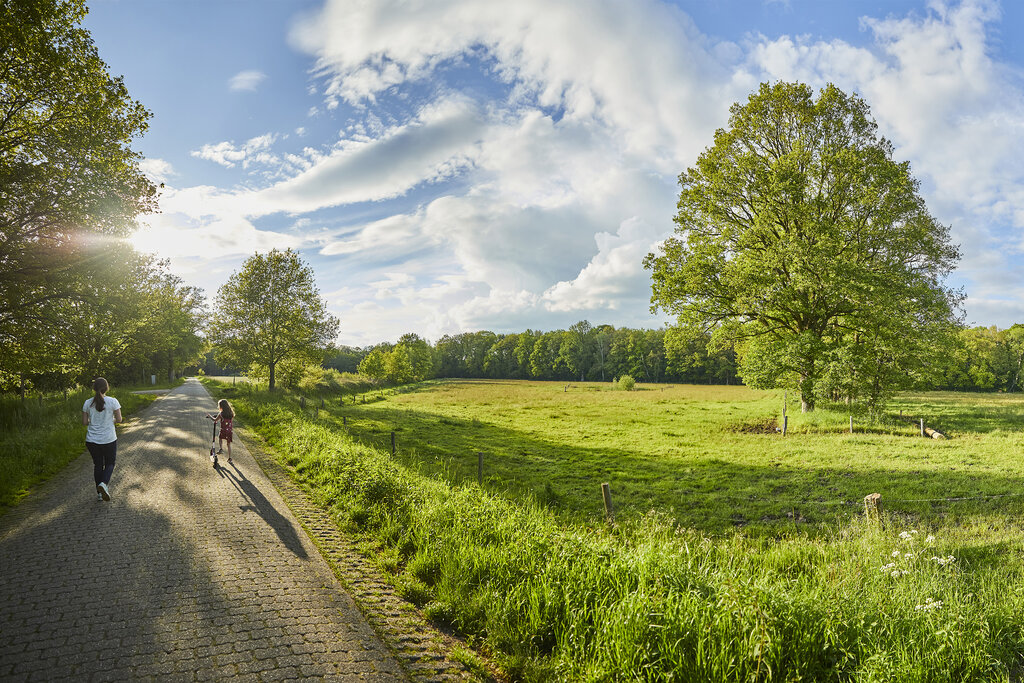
{"x": 213, "y": 444}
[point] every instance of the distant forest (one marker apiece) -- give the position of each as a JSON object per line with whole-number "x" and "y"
{"x": 981, "y": 358}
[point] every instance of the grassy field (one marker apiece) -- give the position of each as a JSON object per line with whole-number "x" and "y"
{"x": 709, "y": 456}
{"x": 38, "y": 439}
{"x": 738, "y": 554}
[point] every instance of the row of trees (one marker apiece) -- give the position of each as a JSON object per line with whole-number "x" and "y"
{"x": 582, "y": 352}
{"x": 75, "y": 299}
{"x": 973, "y": 359}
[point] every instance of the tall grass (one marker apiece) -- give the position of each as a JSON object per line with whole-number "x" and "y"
{"x": 39, "y": 439}
{"x": 556, "y": 599}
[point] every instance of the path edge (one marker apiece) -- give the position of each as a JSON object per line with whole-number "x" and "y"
{"x": 421, "y": 648}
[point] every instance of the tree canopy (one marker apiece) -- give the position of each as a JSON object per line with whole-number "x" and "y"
{"x": 75, "y": 299}
{"x": 800, "y": 240}
{"x": 271, "y": 311}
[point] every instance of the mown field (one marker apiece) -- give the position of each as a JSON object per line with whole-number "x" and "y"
{"x": 738, "y": 554}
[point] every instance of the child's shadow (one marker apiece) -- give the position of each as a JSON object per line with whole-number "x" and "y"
{"x": 262, "y": 507}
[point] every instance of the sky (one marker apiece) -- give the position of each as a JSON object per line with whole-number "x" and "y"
{"x": 450, "y": 166}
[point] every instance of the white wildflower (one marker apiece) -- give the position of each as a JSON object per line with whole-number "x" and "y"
{"x": 905, "y": 535}
{"x": 908, "y": 555}
{"x": 895, "y": 553}
{"x": 930, "y": 539}
{"x": 913, "y": 531}
{"x": 929, "y": 605}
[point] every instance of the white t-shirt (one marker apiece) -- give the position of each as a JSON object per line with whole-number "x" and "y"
{"x": 101, "y": 423}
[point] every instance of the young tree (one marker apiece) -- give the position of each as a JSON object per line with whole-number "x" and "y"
{"x": 271, "y": 310}
{"x": 798, "y": 235}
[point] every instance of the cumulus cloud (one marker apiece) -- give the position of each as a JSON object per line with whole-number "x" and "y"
{"x": 159, "y": 170}
{"x": 227, "y": 154}
{"x": 246, "y": 80}
{"x": 549, "y": 195}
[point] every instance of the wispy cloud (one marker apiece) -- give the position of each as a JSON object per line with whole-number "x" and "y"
{"x": 246, "y": 80}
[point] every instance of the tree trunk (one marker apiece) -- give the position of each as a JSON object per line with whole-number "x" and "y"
{"x": 271, "y": 386}
{"x": 806, "y": 394}
{"x": 23, "y": 388}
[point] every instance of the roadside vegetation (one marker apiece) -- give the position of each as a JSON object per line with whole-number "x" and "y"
{"x": 703, "y": 575}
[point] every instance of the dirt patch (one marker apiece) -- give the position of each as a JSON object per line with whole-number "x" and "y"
{"x": 765, "y": 425}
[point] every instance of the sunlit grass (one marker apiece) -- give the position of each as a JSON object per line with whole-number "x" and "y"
{"x": 704, "y": 587}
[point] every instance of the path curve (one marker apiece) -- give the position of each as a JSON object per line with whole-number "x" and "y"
{"x": 189, "y": 573}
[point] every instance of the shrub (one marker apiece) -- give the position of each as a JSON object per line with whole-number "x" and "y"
{"x": 626, "y": 383}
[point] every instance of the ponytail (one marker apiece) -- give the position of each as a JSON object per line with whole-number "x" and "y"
{"x": 100, "y": 386}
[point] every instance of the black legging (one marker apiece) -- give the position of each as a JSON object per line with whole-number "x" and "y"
{"x": 103, "y": 457}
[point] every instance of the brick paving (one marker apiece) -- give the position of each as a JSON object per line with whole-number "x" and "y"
{"x": 189, "y": 573}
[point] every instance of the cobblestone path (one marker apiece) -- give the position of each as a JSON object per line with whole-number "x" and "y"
{"x": 188, "y": 573}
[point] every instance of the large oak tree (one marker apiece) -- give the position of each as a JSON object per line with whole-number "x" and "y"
{"x": 801, "y": 240}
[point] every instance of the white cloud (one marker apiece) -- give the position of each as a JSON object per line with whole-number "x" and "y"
{"x": 569, "y": 179}
{"x": 178, "y": 236}
{"x": 227, "y": 154}
{"x": 247, "y": 80}
{"x": 158, "y": 170}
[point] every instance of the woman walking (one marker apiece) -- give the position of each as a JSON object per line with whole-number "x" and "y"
{"x": 100, "y": 413}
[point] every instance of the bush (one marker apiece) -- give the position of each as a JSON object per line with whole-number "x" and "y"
{"x": 626, "y": 383}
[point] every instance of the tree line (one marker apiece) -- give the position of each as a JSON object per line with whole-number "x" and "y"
{"x": 581, "y": 353}
{"x": 75, "y": 299}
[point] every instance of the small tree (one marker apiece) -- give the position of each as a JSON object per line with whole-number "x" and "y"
{"x": 270, "y": 311}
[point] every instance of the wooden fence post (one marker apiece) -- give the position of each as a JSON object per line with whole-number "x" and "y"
{"x": 873, "y": 507}
{"x": 851, "y": 424}
{"x": 785, "y": 424}
{"x": 344, "y": 421}
{"x": 922, "y": 426}
{"x": 479, "y": 468}
{"x": 609, "y": 511}
{"x": 302, "y": 401}
{"x": 392, "y": 443}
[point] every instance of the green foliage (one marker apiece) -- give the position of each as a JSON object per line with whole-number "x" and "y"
{"x": 75, "y": 300}
{"x": 556, "y": 598}
{"x": 271, "y": 311}
{"x": 626, "y": 383}
{"x": 802, "y": 241}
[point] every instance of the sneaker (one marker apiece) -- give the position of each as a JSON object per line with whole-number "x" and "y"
{"x": 213, "y": 459}
{"x": 102, "y": 489}
{"x": 219, "y": 451}
{"x": 229, "y": 461}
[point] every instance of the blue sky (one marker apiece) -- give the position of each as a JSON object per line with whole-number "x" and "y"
{"x": 453, "y": 165}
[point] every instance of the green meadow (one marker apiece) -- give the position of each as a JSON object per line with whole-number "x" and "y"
{"x": 714, "y": 458}
{"x": 737, "y": 553}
